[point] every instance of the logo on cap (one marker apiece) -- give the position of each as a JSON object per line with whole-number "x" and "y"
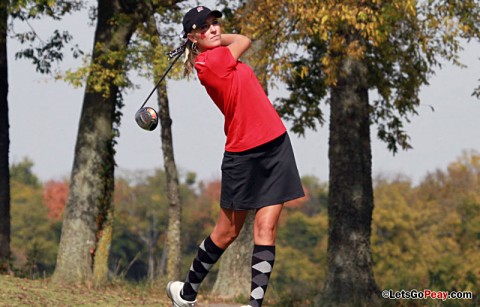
{"x": 199, "y": 9}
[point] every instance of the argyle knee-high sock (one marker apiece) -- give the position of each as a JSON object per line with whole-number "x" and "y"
{"x": 263, "y": 258}
{"x": 207, "y": 255}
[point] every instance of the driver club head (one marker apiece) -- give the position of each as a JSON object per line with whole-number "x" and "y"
{"x": 147, "y": 118}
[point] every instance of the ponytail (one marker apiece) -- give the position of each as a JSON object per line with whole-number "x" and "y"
{"x": 191, "y": 52}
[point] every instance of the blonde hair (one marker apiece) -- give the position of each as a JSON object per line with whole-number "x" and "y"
{"x": 191, "y": 52}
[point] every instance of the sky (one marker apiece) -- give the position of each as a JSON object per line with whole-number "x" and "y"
{"x": 44, "y": 116}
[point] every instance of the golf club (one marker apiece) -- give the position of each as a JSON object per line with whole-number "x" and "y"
{"x": 147, "y": 117}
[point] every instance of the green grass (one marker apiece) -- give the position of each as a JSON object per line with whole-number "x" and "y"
{"x": 26, "y": 292}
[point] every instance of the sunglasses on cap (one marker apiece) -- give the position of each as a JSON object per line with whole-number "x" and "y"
{"x": 206, "y": 26}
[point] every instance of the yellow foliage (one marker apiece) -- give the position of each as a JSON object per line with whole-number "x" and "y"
{"x": 346, "y": 26}
{"x": 428, "y": 236}
{"x": 349, "y": 28}
{"x": 101, "y": 74}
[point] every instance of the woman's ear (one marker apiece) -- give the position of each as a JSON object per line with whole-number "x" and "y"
{"x": 191, "y": 37}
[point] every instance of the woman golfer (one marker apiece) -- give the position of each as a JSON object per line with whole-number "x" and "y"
{"x": 258, "y": 168}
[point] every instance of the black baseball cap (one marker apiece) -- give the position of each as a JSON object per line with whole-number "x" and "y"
{"x": 196, "y": 17}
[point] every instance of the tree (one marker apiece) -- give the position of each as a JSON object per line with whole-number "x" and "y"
{"x": 141, "y": 223}
{"x": 88, "y": 217}
{"x": 173, "y": 193}
{"x": 23, "y": 172}
{"x": 152, "y": 47}
{"x": 399, "y": 257}
{"x": 198, "y": 219}
{"x": 55, "y": 195}
{"x": 455, "y": 203}
{"x": 4, "y": 144}
{"x": 350, "y": 189}
{"x": 42, "y": 55}
{"x": 141, "y": 212}
{"x": 387, "y": 46}
{"x": 174, "y": 230}
{"x": 25, "y": 187}
{"x": 422, "y": 235}
{"x": 34, "y": 236}
{"x": 302, "y": 242}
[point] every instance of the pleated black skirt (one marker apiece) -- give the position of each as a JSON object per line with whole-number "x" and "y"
{"x": 263, "y": 176}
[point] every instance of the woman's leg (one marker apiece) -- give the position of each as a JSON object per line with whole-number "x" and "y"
{"x": 228, "y": 227}
{"x": 265, "y": 225}
{"x": 226, "y": 230}
{"x": 263, "y": 256}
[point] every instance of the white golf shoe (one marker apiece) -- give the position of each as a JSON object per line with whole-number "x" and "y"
{"x": 174, "y": 289}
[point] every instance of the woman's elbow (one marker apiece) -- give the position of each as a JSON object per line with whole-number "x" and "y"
{"x": 248, "y": 42}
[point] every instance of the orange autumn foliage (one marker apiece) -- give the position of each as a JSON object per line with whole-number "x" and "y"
{"x": 213, "y": 189}
{"x": 299, "y": 201}
{"x": 55, "y": 195}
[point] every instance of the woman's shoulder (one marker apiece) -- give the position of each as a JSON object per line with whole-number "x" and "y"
{"x": 216, "y": 56}
{"x": 220, "y": 50}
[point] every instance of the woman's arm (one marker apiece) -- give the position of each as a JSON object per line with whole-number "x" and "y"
{"x": 237, "y": 44}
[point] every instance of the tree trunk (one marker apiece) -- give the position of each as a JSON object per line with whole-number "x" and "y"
{"x": 151, "y": 261}
{"x": 349, "y": 280}
{"x": 234, "y": 273}
{"x": 4, "y": 144}
{"x": 88, "y": 218}
{"x": 150, "y": 238}
{"x": 162, "y": 262}
{"x": 173, "y": 191}
{"x": 104, "y": 236}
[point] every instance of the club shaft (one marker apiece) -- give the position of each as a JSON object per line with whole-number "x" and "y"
{"x": 161, "y": 79}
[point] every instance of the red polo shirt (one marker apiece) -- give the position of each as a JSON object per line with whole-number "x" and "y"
{"x": 250, "y": 118}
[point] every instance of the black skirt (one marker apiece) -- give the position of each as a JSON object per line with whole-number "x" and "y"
{"x": 262, "y": 176}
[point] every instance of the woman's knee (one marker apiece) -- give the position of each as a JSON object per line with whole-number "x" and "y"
{"x": 265, "y": 227}
{"x": 228, "y": 227}
{"x": 224, "y": 236}
{"x": 265, "y": 233}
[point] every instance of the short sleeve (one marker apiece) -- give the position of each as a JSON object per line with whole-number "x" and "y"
{"x": 220, "y": 60}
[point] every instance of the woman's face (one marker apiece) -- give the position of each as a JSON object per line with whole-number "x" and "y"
{"x": 207, "y": 36}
